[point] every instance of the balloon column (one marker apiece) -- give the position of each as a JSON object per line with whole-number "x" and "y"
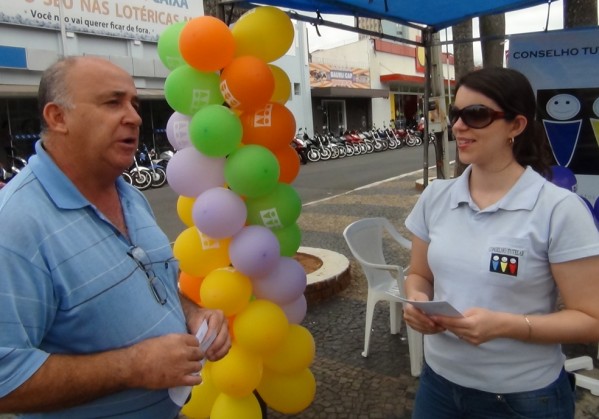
{"x": 232, "y": 170}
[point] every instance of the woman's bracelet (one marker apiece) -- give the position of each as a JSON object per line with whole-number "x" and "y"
{"x": 529, "y": 324}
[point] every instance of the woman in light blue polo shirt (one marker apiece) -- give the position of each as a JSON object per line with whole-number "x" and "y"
{"x": 500, "y": 243}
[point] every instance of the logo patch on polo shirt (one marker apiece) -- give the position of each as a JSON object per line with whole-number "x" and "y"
{"x": 502, "y": 263}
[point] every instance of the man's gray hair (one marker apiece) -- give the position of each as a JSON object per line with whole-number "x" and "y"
{"x": 54, "y": 88}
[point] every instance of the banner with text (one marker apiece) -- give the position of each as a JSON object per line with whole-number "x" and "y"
{"x": 133, "y": 19}
{"x": 562, "y": 68}
{"x": 324, "y": 75}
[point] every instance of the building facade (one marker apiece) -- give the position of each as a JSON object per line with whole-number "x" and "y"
{"x": 33, "y": 35}
{"x": 371, "y": 82}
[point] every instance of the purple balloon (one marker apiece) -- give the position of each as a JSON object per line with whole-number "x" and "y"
{"x": 219, "y": 213}
{"x": 564, "y": 177}
{"x": 296, "y": 310}
{"x": 190, "y": 173}
{"x": 254, "y": 251}
{"x": 284, "y": 284}
{"x": 177, "y": 131}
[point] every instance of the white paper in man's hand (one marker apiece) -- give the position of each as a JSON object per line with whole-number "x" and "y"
{"x": 180, "y": 394}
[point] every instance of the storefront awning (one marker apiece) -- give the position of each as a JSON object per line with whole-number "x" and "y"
{"x": 395, "y": 81}
{"x": 348, "y": 92}
{"x": 17, "y": 90}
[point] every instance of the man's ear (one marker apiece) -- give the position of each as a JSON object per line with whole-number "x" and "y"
{"x": 54, "y": 116}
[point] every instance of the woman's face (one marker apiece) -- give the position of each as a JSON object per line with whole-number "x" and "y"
{"x": 489, "y": 145}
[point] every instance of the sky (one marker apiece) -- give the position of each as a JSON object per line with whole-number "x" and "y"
{"x": 533, "y": 19}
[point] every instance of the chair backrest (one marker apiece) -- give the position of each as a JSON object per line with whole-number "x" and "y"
{"x": 365, "y": 240}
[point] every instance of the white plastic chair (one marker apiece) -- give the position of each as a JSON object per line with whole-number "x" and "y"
{"x": 385, "y": 282}
{"x": 583, "y": 363}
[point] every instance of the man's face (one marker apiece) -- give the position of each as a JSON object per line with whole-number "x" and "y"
{"x": 103, "y": 122}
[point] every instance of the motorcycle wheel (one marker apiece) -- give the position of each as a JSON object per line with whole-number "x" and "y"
{"x": 313, "y": 155}
{"x": 325, "y": 154}
{"x": 158, "y": 177}
{"x": 127, "y": 178}
{"x": 334, "y": 152}
{"x": 142, "y": 179}
{"x": 349, "y": 150}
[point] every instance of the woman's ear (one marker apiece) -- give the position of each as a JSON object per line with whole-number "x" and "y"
{"x": 54, "y": 116}
{"x": 518, "y": 125}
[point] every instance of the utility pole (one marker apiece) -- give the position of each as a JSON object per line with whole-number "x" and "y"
{"x": 439, "y": 124}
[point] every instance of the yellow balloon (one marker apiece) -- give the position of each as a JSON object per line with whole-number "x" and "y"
{"x": 295, "y": 354}
{"x": 227, "y": 407}
{"x": 282, "y": 85}
{"x": 261, "y": 327}
{"x": 199, "y": 254}
{"x": 287, "y": 393}
{"x": 226, "y": 289}
{"x": 184, "y": 207}
{"x": 202, "y": 397}
{"x": 264, "y": 32}
{"x": 238, "y": 373}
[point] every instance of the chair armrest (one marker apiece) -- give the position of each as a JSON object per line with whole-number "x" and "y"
{"x": 397, "y": 236}
{"x": 391, "y": 268}
{"x": 400, "y": 239}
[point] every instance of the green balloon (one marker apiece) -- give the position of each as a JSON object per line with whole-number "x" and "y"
{"x": 251, "y": 171}
{"x": 289, "y": 239}
{"x": 188, "y": 90}
{"x": 277, "y": 209}
{"x": 168, "y": 46}
{"x": 215, "y": 131}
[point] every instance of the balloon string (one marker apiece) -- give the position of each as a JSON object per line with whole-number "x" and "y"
{"x": 319, "y": 19}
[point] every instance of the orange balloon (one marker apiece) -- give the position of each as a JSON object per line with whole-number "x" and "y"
{"x": 206, "y": 43}
{"x": 289, "y": 163}
{"x": 247, "y": 83}
{"x": 272, "y": 126}
{"x": 282, "y": 91}
{"x": 190, "y": 286}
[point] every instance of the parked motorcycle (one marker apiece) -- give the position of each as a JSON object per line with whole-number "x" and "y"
{"x": 299, "y": 145}
{"x": 157, "y": 172}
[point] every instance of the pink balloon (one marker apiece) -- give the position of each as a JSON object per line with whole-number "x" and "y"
{"x": 254, "y": 251}
{"x": 296, "y": 310}
{"x": 284, "y": 284}
{"x": 219, "y": 213}
{"x": 177, "y": 131}
{"x": 190, "y": 173}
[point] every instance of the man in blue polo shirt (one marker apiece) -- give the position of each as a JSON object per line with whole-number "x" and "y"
{"x": 91, "y": 318}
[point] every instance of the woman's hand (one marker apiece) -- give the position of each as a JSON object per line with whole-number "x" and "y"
{"x": 419, "y": 321}
{"x": 478, "y": 325}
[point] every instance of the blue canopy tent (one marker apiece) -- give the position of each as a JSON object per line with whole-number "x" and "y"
{"x": 429, "y": 16}
{"x": 433, "y": 14}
